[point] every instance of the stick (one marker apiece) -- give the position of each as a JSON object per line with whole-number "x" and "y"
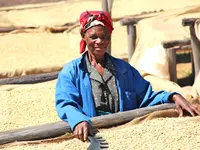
{"x": 30, "y": 79}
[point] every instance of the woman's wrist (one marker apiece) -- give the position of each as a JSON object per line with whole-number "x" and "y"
{"x": 174, "y": 97}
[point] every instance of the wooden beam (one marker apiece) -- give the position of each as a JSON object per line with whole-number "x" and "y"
{"x": 171, "y": 53}
{"x": 60, "y": 128}
{"x": 188, "y": 21}
{"x": 132, "y": 20}
{"x": 131, "y": 32}
{"x": 30, "y": 79}
{"x": 170, "y": 44}
{"x": 183, "y": 48}
{"x": 107, "y": 6}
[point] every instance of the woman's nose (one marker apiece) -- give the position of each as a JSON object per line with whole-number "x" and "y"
{"x": 99, "y": 40}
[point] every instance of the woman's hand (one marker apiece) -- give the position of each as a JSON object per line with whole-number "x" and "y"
{"x": 182, "y": 104}
{"x": 81, "y": 131}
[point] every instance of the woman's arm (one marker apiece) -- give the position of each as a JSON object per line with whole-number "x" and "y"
{"x": 148, "y": 97}
{"x": 68, "y": 98}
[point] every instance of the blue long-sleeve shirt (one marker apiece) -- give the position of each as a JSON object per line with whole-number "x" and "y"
{"x": 74, "y": 100}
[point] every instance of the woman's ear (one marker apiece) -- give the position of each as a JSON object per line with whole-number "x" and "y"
{"x": 84, "y": 38}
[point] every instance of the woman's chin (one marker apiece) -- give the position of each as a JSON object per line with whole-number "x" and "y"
{"x": 100, "y": 50}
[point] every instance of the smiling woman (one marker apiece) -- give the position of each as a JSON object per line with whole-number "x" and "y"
{"x": 98, "y": 84}
{"x": 97, "y": 39}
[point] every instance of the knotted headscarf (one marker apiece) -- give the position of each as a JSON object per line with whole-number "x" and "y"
{"x": 89, "y": 19}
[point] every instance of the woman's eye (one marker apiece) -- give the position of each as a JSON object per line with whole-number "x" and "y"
{"x": 102, "y": 38}
{"x": 94, "y": 37}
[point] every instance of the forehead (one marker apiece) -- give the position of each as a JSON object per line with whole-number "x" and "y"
{"x": 98, "y": 30}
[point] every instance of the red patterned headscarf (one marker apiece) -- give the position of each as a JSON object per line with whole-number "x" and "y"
{"x": 89, "y": 19}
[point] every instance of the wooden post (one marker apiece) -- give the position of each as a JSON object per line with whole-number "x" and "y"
{"x": 195, "y": 50}
{"x": 52, "y": 130}
{"x": 194, "y": 42}
{"x": 171, "y": 53}
{"x": 131, "y": 31}
{"x": 107, "y": 6}
{"x": 177, "y": 45}
{"x": 131, "y": 22}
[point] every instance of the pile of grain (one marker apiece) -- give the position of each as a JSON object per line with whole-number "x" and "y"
{"x": 168, "y": 134}
{"x": 27, "y": 105}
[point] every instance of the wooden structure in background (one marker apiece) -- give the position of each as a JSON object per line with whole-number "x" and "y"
{"x": 171, "y": 48}
{"x": 195, "y": 42}
{"x": 130, "y": 22}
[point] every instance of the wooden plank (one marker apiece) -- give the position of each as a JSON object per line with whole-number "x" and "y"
{"x": 131, "y": 21}
{"x": 170, "y": 44}
{"x": 171, "y": 53}
{"x": 30, "y": 79}
{"x": 188, "y": 21}
{"x": 195, "y": 50}
{"x": 184, "y": 48}
{"x": 60, "y": 128}
{"x": 131, "y": 32}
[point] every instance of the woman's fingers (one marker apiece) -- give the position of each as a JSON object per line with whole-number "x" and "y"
{"x": 192, "y": 109}
{"x": 85, "y": 134}
{"x": 196, "y": 109}
{"x": 81, "y": 131}
{"x": 180, "y": 111}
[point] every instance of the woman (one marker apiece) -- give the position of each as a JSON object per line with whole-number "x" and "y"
{"x": 98, "y": 84}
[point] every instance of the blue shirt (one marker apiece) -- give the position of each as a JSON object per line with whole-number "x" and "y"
{"x": 74, "y": 100}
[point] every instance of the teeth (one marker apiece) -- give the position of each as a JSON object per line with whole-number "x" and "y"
{"x": 97, "y": 143}
{"x": 103, "y": 147}
{"x": 98, "y": 137}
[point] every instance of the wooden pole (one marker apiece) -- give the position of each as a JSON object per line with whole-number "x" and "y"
{"x": 30, "y": 79}
{"x": 52, "y": 130}
{"x": 195, "y": 50}
{"x": 131, "y": 31}
{"x": 194, "y": 42}
{"x": 172, "y": 64}
{"x": 107, "y": 6}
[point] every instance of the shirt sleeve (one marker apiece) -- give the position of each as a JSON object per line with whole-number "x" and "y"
{"x": 146, "y": 95}
{"x": 67, "y": 98}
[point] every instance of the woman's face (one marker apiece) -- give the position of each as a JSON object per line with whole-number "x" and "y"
{"x": 97, "y": 39}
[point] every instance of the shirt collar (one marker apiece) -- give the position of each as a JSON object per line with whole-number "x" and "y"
{"x": 119, "y": 67}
